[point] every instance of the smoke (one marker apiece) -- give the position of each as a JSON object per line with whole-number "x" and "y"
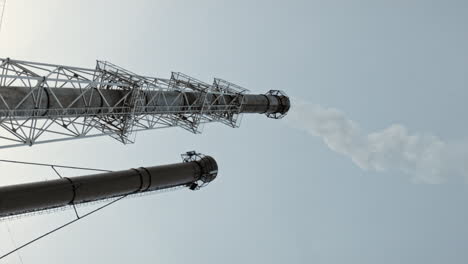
{"x": 424, "y": 157}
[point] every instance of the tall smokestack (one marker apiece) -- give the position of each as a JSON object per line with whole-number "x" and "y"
{"x": 59, "y": 102}
{"x": 30, "y": 197}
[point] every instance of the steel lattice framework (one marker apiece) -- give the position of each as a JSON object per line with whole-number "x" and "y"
{"x": 42, "y": 102}
{"x": 120, "y": 120}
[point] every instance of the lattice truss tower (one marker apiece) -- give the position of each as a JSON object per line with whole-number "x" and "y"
{"x": 42, "y": 102}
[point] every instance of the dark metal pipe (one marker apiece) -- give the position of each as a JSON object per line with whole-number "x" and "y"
{"x": 36, "y": 196}
{"x": 93, "y": 102}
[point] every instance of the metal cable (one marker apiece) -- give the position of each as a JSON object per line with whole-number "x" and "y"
{"x": 52, "y": 165}
{"x": 1, "y": 14}
{"x": 13, "y": 241}
{"x": 60, "y": 227}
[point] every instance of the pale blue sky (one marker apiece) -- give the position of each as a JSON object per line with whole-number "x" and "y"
{"x": 281, "y": 196}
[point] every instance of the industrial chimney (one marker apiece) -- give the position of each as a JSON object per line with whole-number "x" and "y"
{"x": 196, "y": 170}
{"x": 42, "y": 103}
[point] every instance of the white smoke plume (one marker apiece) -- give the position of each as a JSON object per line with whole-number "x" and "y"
{"x": 424, "y": 157}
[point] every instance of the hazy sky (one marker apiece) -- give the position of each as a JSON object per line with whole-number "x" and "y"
{"x": 389, "y": 75}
